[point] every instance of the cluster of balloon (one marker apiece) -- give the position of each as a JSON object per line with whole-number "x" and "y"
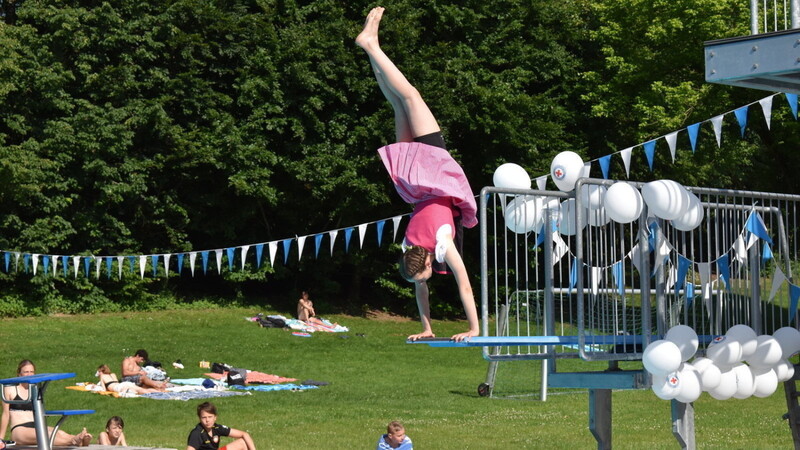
{"x": 523, "y": 213}
{"x": 739, "y": 364}
{"x": 671, "y": 201}
{"x": 623, "y": 203}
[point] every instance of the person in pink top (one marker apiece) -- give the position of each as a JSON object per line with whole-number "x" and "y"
{"x": 427, "y": 177}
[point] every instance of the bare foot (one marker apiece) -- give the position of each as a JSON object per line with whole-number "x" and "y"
{"x": 369, "y": 35}
{"x": 82, "y": 439}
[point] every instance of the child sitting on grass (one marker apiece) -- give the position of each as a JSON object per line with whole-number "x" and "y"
{"x": 206, "y": 435}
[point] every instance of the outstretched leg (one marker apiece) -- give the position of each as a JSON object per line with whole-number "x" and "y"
{"x": 413, "y": 118}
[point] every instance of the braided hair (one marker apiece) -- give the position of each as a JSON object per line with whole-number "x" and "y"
{"x": 413, "y": 261}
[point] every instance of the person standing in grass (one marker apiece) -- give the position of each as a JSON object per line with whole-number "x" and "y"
{"x": 427, "y": 177}
{"x": 395, "y": 438}
{"x": 206, "y": 435}
{"x": 114, "y": 434}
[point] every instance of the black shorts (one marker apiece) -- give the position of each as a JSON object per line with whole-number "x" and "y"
{"x": 435, "y": 139}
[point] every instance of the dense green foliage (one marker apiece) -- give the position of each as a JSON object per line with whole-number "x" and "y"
{"x": 131, "y": 127}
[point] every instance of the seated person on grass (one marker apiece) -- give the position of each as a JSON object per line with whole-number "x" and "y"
{"x": 305, "y": 308}
{"x": 131, "y": 371}
{"x": 206, "y": 435}
{"x": 395, "y": 438}
{"x": 109, "y": 382}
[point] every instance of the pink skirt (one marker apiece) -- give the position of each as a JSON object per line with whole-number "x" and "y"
{"x": 422, "y": 172}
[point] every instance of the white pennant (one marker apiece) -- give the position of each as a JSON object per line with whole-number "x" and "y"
{"x": 672, "y": 139}
{"x": 626, "y": 159}
{"x": 192, "y": 259}
{"x": 662, "y": 253}
{"x": 561, "y": 248}
{"x": 635, "y": 256}
{"x": 119, "y": 265}
{"x": 218, "y": 254}
{"x": 751, "y": 240}
{"x": 740, "y": 250}
{"x": 142, "y": 265}
{"x": 301, "y": 242}
{"x": 766, "y": 106}
{"x": 273, "y": 248}
{"x": 75, "y": 263}
{"x": 335, "y": 233}
{"x": 705, "y": 282}
{"x": 396, "y": 222}
{"x": 98, "y": 261}
{"x": 672, "y": 276}
{"x": 166, "y": 264}
{"x": 35, "y": 260}
{"x": 362, "y": 230}
{"x": 541, "y": 182}
{"x": 54, "y": 259}
{"x": 245, "y": 249}
{"x": 16, "y": 260}
{"x": 717, "y": 123}
{"x": 777, "y": 281}
{"x": 597, "y": 274}
{"x": 587, "y": 170}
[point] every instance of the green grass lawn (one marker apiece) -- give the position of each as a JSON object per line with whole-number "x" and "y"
{"x": 374, "y": 379}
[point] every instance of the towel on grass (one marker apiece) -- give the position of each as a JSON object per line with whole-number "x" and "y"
{"x": 192, "y": 395}
{"x": 254, "y": 377}
{"x": 275, "y": 387}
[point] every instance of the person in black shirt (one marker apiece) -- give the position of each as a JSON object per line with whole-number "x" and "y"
{"x": 206, "y": 435}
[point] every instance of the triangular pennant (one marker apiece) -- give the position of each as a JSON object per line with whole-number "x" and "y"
{"x": 605, "y": 165}
{"x": 98, "y": 261}
{"x": 65, "y": 265}
{"x": 777, "y": 281}
{"x": 166, "y": 257}
{"x": 717, "y": 123}
{"x": 7, "y": 258}
{"x": 794, "y": 294}
{"x": 317, "y": 242}
{"x": 689, "y": 294}
{"x": 142, "y": 265}
{"x": 741, "y": 117}
{"x": 560, "y": 248}
{"x": 693, "y": 131}
{"x": 16, "y": 260}
{"x": 245, "y": 249}
{"x": 740, "y": 251}
{"x": 75, "y": 264}
{"x": 132, "y": 263}
{"x": 192, "y": 261}
{"x": 45, "y": 264}
{"x": 218, "y": 255}
{"x": 587, "y": 170}
{"x": 109, "y": 266}
{"x": 347, "y": 233}
{"x": 120, "y": 260}
{"x": 181, "y": 257}
{"x": 792, "y": 99}
{"x": 766, "y": 254}
{"x": 626, "y": 160}
{"x": 335, "y": 233}
{"x": 35, "y": 262}
{"x": 618, "y": 270}
{"x": 672, "y": 140}
{"x": 379, "y": 227}
{"x": 259, "y": 253}
{"x": 724, "y": 270}
{"x": 204, "y": 257}
{"x": 273, "y": 250}
{"x": 636, "y": 257}
{"x": 683, "y": 269}
{"x": 650, "y": 152}
{"x": 301, "y": 243}
{"x": 597, "y": 275}
{"x": 755, "y": 225}
{"x": 229, "y": 252}
{"x": 704, "y": 269}
{"x": 541, "y": 182}
{"x": 396, "y": 223}
{"x": 287, "y": 244}
{"x": 154, "y": 264}
{"x": 362, "y": 230}
{"x": 766, "y": 107}
{"x": 87, "y": 264}
{"x": 573, "y": 274}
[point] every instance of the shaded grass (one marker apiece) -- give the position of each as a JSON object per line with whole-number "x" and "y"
{"x": 374, "y": 379}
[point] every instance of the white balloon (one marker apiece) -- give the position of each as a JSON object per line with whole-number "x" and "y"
{"x": 784, "y": 370}
{"x": 745, "y": 382}
{"x": 724, "y": 352}
{"x": 592, "y": 196}
{"x": 710, "y": 375}
{"x": 623, "y": 203}
{"x": 666, "y": 198}
{"x": 510, "y": 175}
{"x": 768, "y": 352}
{"x": 766, "y": 382}
{"x": 565, "y": 170}
{"x": 685, "y": 338}
{"x": 693, "y": 216}
{"x": 726, "y": 387}
{"x": 666, "y": 386}
{"x": 789, "y": 339}
{"x": 661, "y": 357}
{"x": 522, "y": 214}
{"x": 690, "y": 389}
{"x": 567, "y": 224}
{"x": 746, "y": 337}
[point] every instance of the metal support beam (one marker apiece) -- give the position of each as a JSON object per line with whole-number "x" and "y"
{"x": 600, "y": 417}
{"x": 683, "y": 424}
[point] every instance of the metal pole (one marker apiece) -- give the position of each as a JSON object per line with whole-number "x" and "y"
{"x": 795, "y": 5}
{"x": 754, "y": 16}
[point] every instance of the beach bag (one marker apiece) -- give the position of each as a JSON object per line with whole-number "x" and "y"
{"x": 237, "y": 377}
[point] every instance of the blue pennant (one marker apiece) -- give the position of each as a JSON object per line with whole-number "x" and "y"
{"x": 287, "y": 244}
{"x": 573, "y": 274}
{"x": 132, "y": 263}
{"x": 766, "y": 255}
{"x": 8, "y": 260}
{"x": 25, "y": 261}
{"x": 650, "y": 152}
{"x": 792, "y": 99}
{"x": 683, "y": 269}
{"x": 109, "y": 265}
{"x": 180, "y": 262}
{"x": 756, "y": 226}
{"x": 64, "y": 264}
{"x": 317, "y": 242}
{"x": 204, "y": 255}
{"x": 724, "y": 268}
{"x": 794, "y": 294}
{"x": 259, "y": 253}
{"x": 380, "y": 231}
{"x": 741, "y": 117}
{"x": 692, "y": 131}
{"x": 347, "y": 233}
{"x": 46, "y": 264}
{"x": 154, "y": 263}
{"x": 651, "y": 238}
{"x": 86, "y": 263}
{"x": 605, "y": 165}
{"x": 229, "y": 251}
{"x": 619, "y": 276}
{"x": 689, "y": 294}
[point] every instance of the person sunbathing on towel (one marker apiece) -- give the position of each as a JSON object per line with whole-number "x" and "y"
{"x": 109, "y": 382}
